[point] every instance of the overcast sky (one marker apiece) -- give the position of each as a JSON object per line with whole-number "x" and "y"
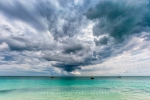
{"x": 74, "y": 37}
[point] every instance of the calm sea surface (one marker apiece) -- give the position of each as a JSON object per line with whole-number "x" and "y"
{"x": 74, "y": 88}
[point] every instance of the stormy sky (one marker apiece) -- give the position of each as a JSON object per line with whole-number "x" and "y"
{"x": 74, "y": 37}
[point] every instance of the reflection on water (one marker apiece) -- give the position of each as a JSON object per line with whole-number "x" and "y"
{"x": 73, "y": 88}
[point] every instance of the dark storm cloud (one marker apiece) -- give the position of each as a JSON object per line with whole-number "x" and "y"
{"x": 68, "y": 67}
{"x": 72, "y": 56}
{"x": 115, "y": 23}
{"x": 119, "y": 19}
{"x": 68, "y": 63}
{"x": 71, "y": 66}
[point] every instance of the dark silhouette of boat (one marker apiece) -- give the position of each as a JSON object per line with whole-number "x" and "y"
{"x": 119, "y": 76}
{"x": 52, "y": 75}
{"x": 92, "y": 76}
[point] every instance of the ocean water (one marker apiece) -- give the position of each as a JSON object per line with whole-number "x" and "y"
{"x": 74, "y": 88}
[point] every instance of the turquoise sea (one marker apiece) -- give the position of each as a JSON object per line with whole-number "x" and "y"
{"x": 74, "y": 88}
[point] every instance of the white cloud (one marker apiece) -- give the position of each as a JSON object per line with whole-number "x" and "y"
{"x": 75, "y": 72}
{"x": 127, "y": 63}
{"x": 3, "y": 46}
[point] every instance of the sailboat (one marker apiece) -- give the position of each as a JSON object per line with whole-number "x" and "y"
{"x": 119, "y": 76}
{"x": 92, "y": 76}
{"x": 52, "y": 76}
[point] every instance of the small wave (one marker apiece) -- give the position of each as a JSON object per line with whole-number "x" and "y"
{"x": 14, "y": 90}
{"x": 7, "y": 91}
{"x": 22, "y": 90}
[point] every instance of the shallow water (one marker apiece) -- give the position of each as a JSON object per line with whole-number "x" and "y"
{"x": 74, "y": 88}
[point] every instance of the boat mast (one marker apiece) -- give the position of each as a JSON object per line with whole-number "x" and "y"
{"x": 91, "y": 74}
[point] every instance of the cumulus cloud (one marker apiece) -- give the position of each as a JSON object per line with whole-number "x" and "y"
{"x": 3, "y": 46}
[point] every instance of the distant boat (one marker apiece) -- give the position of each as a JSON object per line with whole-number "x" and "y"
{"x": 119, "y": 76}
{"x": 52, "y": 76}
{"x": 92, "y": 76}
